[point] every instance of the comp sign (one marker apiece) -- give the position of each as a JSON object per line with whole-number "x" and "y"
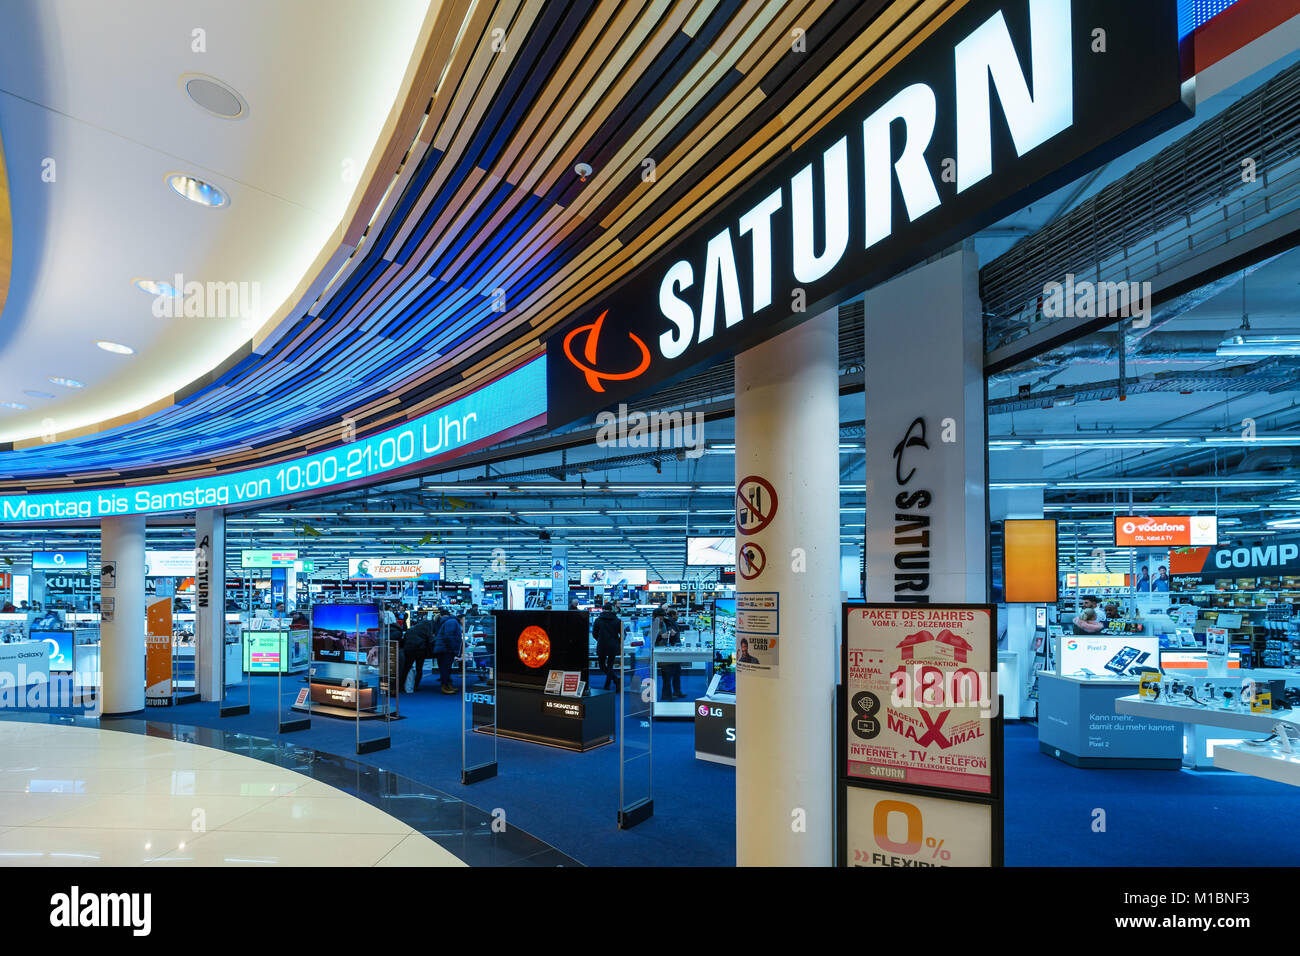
{"x": 1278, "y": 557}
{"x": 1166, "y": 531}
{"x": 1003, "y": 103}
{"x": 512, "y": 401}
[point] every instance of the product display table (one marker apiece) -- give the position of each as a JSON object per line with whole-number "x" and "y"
{"x": 1201, "y": 745}
{"x": 1079, "y": 723}
{"x": 1267, "y": 762}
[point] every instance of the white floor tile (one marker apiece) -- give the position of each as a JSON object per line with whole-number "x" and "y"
{"x": 231, "y": 848}
{"x": 418, "y": 850}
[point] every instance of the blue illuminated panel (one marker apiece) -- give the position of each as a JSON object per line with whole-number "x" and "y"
{"x": 1195, "y": 13}
{"x": 500, "y": 405}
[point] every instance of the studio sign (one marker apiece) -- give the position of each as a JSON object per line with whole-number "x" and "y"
{"x": 953, "y": 138}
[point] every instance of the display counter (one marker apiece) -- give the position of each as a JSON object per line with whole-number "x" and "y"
{"x": 1078, "y": 723}
{"x": 1202, "y": 726}
{"x": 1270, "y": 763}
{"x": 527, "y": 713}
{"x": 695, "y": 663}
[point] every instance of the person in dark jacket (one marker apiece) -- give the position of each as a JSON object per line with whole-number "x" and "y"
{"x": 607, "y": 629}
{"x": 446, "y": 647}
{"x": 417, "y": 646}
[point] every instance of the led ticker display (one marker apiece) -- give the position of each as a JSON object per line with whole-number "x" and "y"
{"x": 60, "y": 560}
{"x": 509, "y": 401}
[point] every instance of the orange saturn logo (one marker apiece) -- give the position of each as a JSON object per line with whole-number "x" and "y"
{"x": 586, "y": 365}
{"x": 534, "y": 646}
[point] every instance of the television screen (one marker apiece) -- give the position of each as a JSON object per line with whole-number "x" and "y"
{"x": 724, "y": 626}
{"x": 394, "y": 569}
{"x": 345, "y": 632}
{"x": 590, "y": 578}
{"x": 60, "y": 560}
{"x": 711, "y": 552}
{"x": 532, "y": 643}
{"x": 60, "y": 646}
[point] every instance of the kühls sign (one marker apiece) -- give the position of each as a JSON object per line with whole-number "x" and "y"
{"x": 1002, "y": 104}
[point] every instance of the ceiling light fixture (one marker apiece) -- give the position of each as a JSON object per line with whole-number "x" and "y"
{"x": 32, "y": 393}
{"x": 65, "y": 382}
{"x": 1259, "y": 345}
{"x": 196, "y": 190}
{"x": 155, "y": 287}
{"x": 116, "y": 348}
{"x": 18, "y": 405}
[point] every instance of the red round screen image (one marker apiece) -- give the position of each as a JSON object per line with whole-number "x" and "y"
{"x": 534, "y": 646}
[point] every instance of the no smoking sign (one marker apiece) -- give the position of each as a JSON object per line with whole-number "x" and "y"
{"x": 751, "y": 561}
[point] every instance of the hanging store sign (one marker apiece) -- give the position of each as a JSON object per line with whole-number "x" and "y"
{"x": 1166, "y": 531}
{"x": 1003, "y": 103}
{"x": 1273, "y": 558}
{"x": 509, "y": 404}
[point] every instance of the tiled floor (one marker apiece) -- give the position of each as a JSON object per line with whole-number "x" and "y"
{"x": 76, "y": 795}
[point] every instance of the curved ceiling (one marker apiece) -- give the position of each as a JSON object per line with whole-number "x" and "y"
{"x": 95, "y": 116}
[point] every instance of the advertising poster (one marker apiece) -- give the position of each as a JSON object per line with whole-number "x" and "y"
{"x": 158, "y": 653}
{"x": 903, "y": 829}
{"x": 394, "y": 569}
{"x": 922, "y": 695}
{"x": 757, "y": 650}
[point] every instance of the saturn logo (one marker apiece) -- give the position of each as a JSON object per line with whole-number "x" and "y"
{"x": 534, "y": 646}
{"x": 586, "y": 365}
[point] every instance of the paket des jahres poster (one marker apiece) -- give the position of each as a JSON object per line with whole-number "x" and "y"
{"x": 921, "y": 698}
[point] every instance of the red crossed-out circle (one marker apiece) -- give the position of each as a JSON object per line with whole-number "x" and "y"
{"x": 751, "y": 560}
{"x": 595, "y": 377}
{"x": 756, "y": 500}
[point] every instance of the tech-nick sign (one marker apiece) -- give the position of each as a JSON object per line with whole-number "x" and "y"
{"x": 1003, "y": 103}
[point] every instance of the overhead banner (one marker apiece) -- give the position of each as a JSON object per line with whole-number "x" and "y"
{"x": 1166, "y": 531}
{"x": 921, "y": 695}
{"x": 1274, "y": 558}
{"x": 250, "y": 558}
{"x": 169, "y": 564}
{"x": 1003, "y": 103}
{"x": 394, "y": 569}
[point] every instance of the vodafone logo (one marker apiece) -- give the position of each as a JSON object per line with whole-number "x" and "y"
{"x": 1129, "y": 527}
{"x": 595, "y": 377}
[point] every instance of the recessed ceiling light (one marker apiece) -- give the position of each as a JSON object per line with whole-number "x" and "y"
{"x": 32, "y": 393}
{"x": 65, "y": 382}
{"x": 12, "y": 405}
{"x": 196, "y": 190}
{"x": 155, "y": 287}
{"x": 115, "y": 347}
{"x": 214, "y": 96}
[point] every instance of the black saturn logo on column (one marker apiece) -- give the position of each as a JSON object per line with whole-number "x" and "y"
{"x": 911, "y": 524}
{"x": 586, "y": 365}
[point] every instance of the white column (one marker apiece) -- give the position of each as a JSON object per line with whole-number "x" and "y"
{"x": 121, "y": 651}
{"x": 787, "y": 432}
{"x": 926, "y": 522}
{"x": 210, "y": 602}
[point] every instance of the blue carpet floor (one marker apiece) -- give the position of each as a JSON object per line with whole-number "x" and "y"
{"x": 570, "y": 800}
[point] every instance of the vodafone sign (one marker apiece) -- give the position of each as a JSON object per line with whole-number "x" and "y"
{"x": 1166, "y": 531}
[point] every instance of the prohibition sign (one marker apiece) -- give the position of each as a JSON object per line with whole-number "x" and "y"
{"x": 755, "y": 504}
{"x": 751, "y": 561}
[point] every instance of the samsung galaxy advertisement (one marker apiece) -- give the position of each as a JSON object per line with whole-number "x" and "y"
{"x": 394, "y": 569}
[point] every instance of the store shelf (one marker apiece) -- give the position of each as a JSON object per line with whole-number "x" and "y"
{"x": 1205, "y": 716}
{"x": 1266, "y": 762}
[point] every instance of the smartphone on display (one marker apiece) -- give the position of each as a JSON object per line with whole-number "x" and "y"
{"x": 1121, "y": 661}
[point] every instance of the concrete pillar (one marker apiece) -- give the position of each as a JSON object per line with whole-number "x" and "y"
{"x": 787, "y": 435}
{"x": 121, "y": 651}
{"x": 927, "y": 518}
{"x": 210, "y": 602}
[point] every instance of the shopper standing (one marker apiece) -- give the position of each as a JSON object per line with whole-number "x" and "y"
{"x": 607, "y": 629}
{"x": 417, "y": 645}
{"x": 670, "y": 675}
{"x": 446, "y": 647}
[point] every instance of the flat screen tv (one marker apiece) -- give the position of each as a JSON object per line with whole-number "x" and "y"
{"x": 531, "y": 643}
{"x": 342, "y": 633}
